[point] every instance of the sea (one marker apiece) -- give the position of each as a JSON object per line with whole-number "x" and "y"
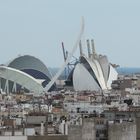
{"x": 120, "y": 70}
{"x": 128, "y": 70}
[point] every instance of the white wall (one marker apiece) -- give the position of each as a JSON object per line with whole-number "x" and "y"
{"x": 13, "y": 137}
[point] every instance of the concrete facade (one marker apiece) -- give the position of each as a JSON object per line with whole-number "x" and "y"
{"x": 138, "y": 128}
{"x": 33, "y": 137}
{"x": 36, "y": 119}
{"x": 122, "y": 131}
{"x": 114, "y": 115}
{"x": 75, "y": 132}
{"x": 86, "y": 131}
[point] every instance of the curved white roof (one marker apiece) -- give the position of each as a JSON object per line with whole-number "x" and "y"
{"x": 100, "y": 76}
{"x": 93, "y": 74}
{"x": 21, "y": 78}
{"x": 94, "y": 64}
{"x": 112, "y": 76}
{"x": 105, "y": 66}
{"x": 29, "y": 62}
{"x": 82, "y": 79}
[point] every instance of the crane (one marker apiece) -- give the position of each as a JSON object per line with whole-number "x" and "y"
{"x": 49, "y": 85}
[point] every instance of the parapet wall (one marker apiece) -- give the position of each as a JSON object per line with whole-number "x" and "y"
{"x": 47, "y": 138}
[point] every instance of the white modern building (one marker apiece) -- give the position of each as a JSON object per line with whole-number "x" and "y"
{"x": 93, "y": 73}
{"x": 24, "y": 72}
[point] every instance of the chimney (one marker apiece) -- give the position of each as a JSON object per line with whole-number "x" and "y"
{"x": 93, "y": 48}
{"x": 80, "y": 47}
{"x": 88, "y": 47}
{"x": 42, "y": 129}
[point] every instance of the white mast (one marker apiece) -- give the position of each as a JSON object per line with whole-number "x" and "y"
{"x": 49, "y": 85}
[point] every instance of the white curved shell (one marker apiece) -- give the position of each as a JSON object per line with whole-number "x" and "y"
{"x": 21, "y": 78}
{"x": 98, "y": 72}
{"x": 83, "y": 80}
{"x": 105, "y": 66}
{"x": 93, "y": 74}
{"x": 112, "y": 76}
{"x": 100, "y": 76}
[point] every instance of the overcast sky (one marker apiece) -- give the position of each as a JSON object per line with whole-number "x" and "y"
{"x": 37, "y": 27}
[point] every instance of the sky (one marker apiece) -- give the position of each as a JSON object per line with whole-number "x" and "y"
{"x": 37, "y": 28}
